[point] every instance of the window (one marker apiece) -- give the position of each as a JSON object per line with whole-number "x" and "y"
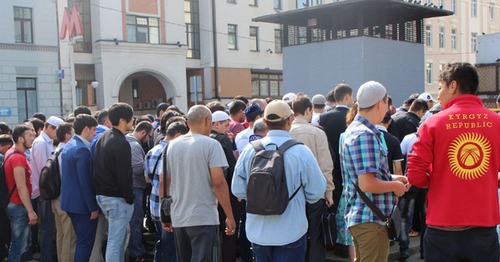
{"x": 473, "y": 8}
{"x": 277, "y": 4}
{"x": 302, "y": 35}
{"x": 232, "y": 36}
{"x": 83, "y": 44}
{"x": 254, "y": 38}
{"x": 27, "y": 102}
{"x": 142, "y": 29}
{"x": 253, "y": 3}
{"x": 473, "y": 42}
{"x": 492, "y": 11}
{"x": 454, "y": 5}
{"x": 23, "y": 26}
{"x": 428, "y": 73}
{"x": 441, "y": 37}
{"x": 428, "y": 35}
{"x": 277, "y": 40}
{"x": 265, "y": 85}
{"x": 231, "y": 1}
{"x": 135, "y": 88}
{"x": 454, "y": 39}
{"x": 441, "y": 67}
{"x": 192, "y": 20}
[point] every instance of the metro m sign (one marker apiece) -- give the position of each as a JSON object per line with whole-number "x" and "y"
{"x": 71, "y": 22}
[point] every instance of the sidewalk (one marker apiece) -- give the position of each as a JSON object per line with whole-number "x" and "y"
{"x": 393, "y": 251}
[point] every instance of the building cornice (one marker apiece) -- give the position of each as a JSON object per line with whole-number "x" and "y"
{"x": 28, "y": 47}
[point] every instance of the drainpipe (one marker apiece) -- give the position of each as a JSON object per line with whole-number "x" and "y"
{"x": 216, "y": 64}
{"x": 59, "y": 59}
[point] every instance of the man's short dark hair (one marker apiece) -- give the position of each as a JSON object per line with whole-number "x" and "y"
{"x": 142, "y": 119}
{"x": 341, "y": 90}
{"x": 39, "y": 115}
{"x": 389, "y": 100}
{"x": 464, "y": 74}
{"x": 175, "y": 119}
{"x": 144, "y": 125}
{"x": 300, "y": 104}
{"x": 236, "y": 106}
{"x": 102, "y": 115}
{"x": 161, "y": 107}
{"x": 4, "y": 128}
{"x": 176, "y": 128}
{"x": 216, "y": 106}
{"x": 6, "y": 140}
{"x": 419, "y": 104}
{"x": 330, "y": 97}
{"x": 82, "y": 110}
{"x": 498, "y": 99}
{"x": 62, "y": 130}
{"x": 241, "y": 98}
{"x": 120, "y": 111}
{"x": 277, "y": 125}
{"x": 165, "y": 117}
{"x": 37, "y": 124}
{"x": 82, "y": 121}
{"x": 175, "y": 108}
{"x": 19, "y": 131}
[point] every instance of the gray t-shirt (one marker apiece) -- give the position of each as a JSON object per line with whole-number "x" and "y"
{"x": 189, "y": 159}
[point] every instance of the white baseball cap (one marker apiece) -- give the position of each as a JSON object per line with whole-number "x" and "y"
{"x": 427, "y": 97}
{"x": 218, "y": 116}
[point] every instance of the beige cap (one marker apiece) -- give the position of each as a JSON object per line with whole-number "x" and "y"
{"x": 318, "y": 99}
{"x": 277, "y": 110}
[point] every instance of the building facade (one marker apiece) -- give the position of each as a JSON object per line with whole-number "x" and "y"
{"x": 455, "y": 38}
{"x": 28, "y": 60}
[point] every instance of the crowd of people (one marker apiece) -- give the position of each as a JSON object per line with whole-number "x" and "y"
{"x": 257, "y": 179}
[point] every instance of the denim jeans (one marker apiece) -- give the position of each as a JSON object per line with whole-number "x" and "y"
{"x": 165, "y": 246}
{"x": 292, "y": 252}
{"x": 135, "y": 247}
{"x": 476, "y": 244}
{"x": 47, "y": 230}
{"x": 197, "y": 243}
{"x": 406, "y": 205}
{"x": 20, "y": 231}
{"x": 118, "y": 213}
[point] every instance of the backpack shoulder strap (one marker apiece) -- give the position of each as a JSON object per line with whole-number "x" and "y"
{"x": 164, "y": 162}
{"x": 285, "y": 146}
{"x": 257, "y": 145}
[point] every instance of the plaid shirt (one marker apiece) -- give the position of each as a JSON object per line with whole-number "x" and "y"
{"x": 363, "y": 151}
{"x": 151, "y": 157}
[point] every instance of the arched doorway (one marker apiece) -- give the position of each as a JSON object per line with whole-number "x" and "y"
{"x": 144, "y": 92}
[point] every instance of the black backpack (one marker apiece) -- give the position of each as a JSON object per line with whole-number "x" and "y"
{"x": 50, "y": 178}
{"x": 5, "y": 195}
{"x": 267, "y": 191}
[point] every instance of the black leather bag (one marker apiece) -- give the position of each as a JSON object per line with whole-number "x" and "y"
{"x": 166, "y": 200}
{"x": 329, "y": 226}
{"x": 393, "y": 222}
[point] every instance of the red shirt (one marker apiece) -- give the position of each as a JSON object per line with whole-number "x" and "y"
{"x": 235, "y": 127}
{"x": 16, "y": 160}
{"x": 458, "y": 156}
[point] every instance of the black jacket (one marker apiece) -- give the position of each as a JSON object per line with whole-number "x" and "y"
{"x": 404, "y": 124}
{"x": 333, "y": 122}
{"x": 113, "y": 166}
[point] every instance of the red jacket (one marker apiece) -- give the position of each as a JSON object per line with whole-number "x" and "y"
{"x": 458, "y": 156}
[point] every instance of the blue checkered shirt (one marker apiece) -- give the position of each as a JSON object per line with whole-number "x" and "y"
{"x": 151, "y": 157}
{"x": 362, "y": 151}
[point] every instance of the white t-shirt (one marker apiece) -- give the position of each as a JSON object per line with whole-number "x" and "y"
{"x": 242, "y": 139}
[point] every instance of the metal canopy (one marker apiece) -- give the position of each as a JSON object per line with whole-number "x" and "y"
{"x": 355, "y": 14}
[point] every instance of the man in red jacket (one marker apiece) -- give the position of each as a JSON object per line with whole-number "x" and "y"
{"x": 458, "y": 157}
